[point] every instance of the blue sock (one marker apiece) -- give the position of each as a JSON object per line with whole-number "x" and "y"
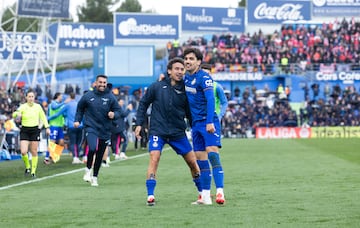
{"x": 217, "y": 169}
{"x": 205, "y": 174}
{"x": 197, "y": 182}
{"x": 47, "y": 155}
{"x": 150, "y": 186}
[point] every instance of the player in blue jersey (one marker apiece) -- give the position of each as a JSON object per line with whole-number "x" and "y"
{"x": 167, "y": 125}
{"x": 206, "y": 130}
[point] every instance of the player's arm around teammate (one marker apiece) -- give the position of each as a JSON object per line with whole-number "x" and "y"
{"x": 167, "y": 125}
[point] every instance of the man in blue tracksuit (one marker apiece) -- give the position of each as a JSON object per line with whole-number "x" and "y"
{"x": 167, "y": 124}
{"x": 97, "y": 108}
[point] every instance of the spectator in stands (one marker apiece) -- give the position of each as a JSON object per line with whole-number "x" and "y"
{"x": 295, "y": 49}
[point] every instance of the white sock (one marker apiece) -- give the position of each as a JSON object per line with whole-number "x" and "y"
{"x": 205, "y": 194}
{"x": 220, "y": 190}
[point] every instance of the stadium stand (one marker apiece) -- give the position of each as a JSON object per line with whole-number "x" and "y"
{"x": 294, "y": 49}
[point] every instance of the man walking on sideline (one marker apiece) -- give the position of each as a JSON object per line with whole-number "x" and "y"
{"x": 97, "y": 108}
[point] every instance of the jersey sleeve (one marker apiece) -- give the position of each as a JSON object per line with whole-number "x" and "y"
{"x": 207, "y": 85}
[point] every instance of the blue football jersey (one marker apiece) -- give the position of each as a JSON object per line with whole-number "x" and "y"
{"x": 195, "y": 87}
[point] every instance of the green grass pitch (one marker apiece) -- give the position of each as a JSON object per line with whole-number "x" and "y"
{"x": 268, "y": 183}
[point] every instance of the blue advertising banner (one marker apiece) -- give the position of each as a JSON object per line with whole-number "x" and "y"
{"x": 212, "y": 19}
{"x": 25, "y": 46}
{"x": 145, "y": 26}
{"x": 48, "y": 8}
{"x": 83, "y": 35}
{"x": 278, "y": 11}
{"x": 335, "y": 8}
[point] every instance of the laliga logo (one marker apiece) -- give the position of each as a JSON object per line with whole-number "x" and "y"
{"x": 287, "y": 11}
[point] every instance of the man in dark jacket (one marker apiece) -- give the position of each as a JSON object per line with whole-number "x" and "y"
{"x": 97, "y": 108}
{"x": 167, "y": 124}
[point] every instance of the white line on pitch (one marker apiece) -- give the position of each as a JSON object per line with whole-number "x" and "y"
{"x": 61, "y": 174}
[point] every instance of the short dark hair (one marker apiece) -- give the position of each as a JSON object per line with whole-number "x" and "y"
{"x": 72, "y": 95}
{"x": 196, "y": 51}
{"x": 56, "y": 95}
{"x": 101, "y": 76}
{"x": 30, "y": 91}
{"x": 173, "y": 61}
{"x": 205, "y": 66}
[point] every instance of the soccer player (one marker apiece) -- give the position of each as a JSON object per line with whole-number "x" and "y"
{"x": 167, "y": 124}
{"x": 75, "y": 134}
{"x": 97, "y": 108}
{"x": 56, "y": 124}
{"x": 30, "y": 114}
{"x": 206, "y": 130}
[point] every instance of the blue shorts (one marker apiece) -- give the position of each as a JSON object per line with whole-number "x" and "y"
{"x": 181, "y": 146}
{"x": 202, "y": 139}
{"x": 56, "y": 133}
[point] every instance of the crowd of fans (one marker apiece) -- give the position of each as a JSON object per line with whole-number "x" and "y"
{"x": 296, "y": 48}
{"x": 293, "y": 49}
{"x": 337, "y": 107}
{"x": 249, "y": 109}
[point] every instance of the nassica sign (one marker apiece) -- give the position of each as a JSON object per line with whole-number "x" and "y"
{"x": 338, "y": 8}
{"x": 22, "y": 45}
{"x": 83, "y": 35}
{"x": 146, "y": 26}
{"x": 48, "y": 8}
{"x": 278, "y": 11}
{"x": 212, "y": 19}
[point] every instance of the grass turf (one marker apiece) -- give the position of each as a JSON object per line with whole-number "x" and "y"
{"x": 268, "y": 183}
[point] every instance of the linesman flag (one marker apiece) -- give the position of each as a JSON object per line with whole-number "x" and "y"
{"x": 55, "y": 151}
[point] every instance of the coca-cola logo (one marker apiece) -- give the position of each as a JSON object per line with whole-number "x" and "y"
{"x": 286, "y": 11}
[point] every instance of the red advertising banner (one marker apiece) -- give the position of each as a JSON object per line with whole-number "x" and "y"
{"x": 303, "y": 132}
{"x": 283, "y": 133}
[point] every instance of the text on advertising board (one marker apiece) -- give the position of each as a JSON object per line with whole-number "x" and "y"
{"x": 203, "y": 18}
{"x": 131, "y": 27}
{"x": 23, "y": 44}
{"x": 343, "y": 76}
{"x": 285, "y": 12}
{"x": 283, "y": 132}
